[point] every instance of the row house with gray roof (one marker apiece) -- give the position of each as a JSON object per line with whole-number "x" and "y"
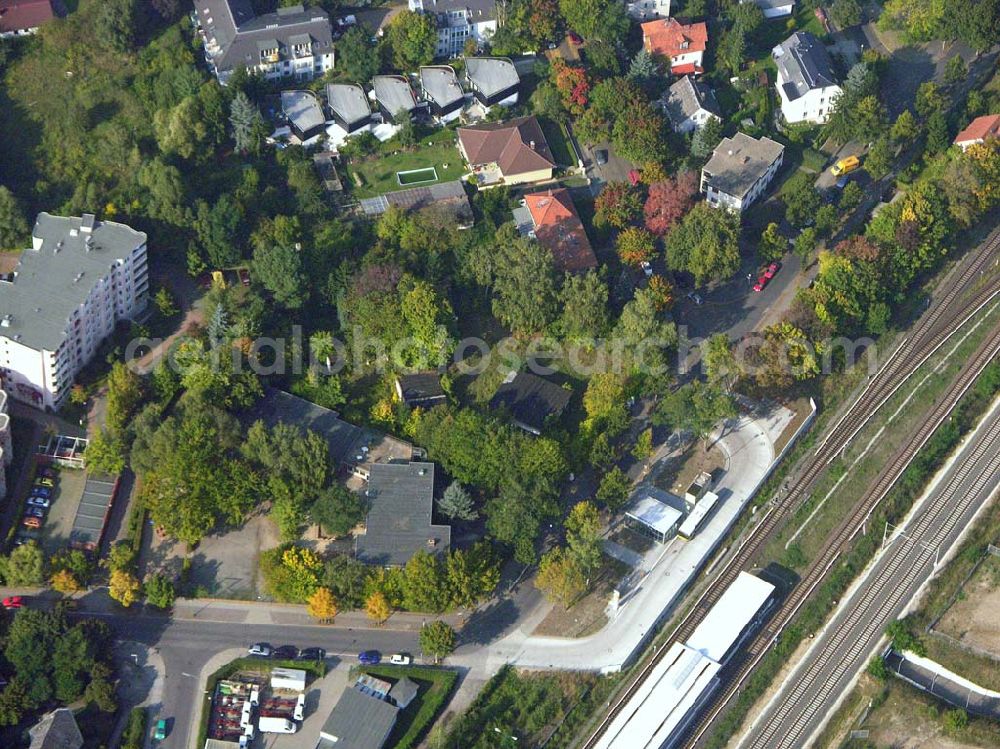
{"x": 806, "y": 82}
{"x": 458, "y": 21}
{"x": 293, "y": 42}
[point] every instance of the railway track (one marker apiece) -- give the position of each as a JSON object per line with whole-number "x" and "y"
{"x": 859, "y": 630}
{"x": 848, "y": 528}
{"x": 929, "y": 333}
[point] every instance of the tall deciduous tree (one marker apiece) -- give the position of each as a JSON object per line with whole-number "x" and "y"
{"x": 584, "y": 301}
{"x": 583, "y": 536}
{"x": 377, "y": 607}
{"x": 322, "y": 606}
{"x": 280, "y": 271}
{"x": 356, "y": 58}
{"x": 412, "y": 37}
{"x": 14, "y": 230}
{"x": 669, "y": 201}
{"x": 560, "y": 577}
{"x": 636, "y": 246}
{"x": 438, "y": 639}
{"x": 524, "y": 286}
{"x": 705, "y": 244}
{"x": 617, "y": 205}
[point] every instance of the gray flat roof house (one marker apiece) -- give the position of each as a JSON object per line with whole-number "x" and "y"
{"x": 358, "y": 721}
{"x": 293, "y": 41}
{"x": 740, "y": 169}
{"x": 447, "y": 196}
{"x": 492, "y": 79}
{"x": 304, "y": 112}
{"x": 394, "y": 95}
{"x": 441, "y": 89}
{"x": 401, "y": 503}
{"x": 349, "y": 105}
{"x": 531, "y": 400}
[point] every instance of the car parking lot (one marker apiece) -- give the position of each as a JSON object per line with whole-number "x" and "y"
{"x": 57, "y": 526}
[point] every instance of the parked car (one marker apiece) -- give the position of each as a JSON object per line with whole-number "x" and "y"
{"x": 845, "y": 166}
{"x": 31, "y": 523}
{"x": 574, "y": 38}
{"x": 38, "y": 501}
{"x": 400, "y": 659}
{"x": 260, "y": 650}
{"x": 161, "y": 730}
{"x": 44, "y": 481}
{"x": 48, "y": 472}
{"x": 695, "y": 297}
{"x": 244, "y": 275}
{"x": 34, "y": 512}
{"x": 41, "y": 491}
{"x": 766, "y": 276}
{"x": 13, "y": 602}
{"x": 285, "y": 652}
{"x": 646, "y": 268}
{"x": 311, "y": 654}
{"x": 601, "y": 155}
{"x": 370, "y": 657}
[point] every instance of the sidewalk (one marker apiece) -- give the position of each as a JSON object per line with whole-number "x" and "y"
{"x": 96, "y": 601}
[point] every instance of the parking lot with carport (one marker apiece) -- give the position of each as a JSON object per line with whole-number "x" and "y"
{"x": 65, "y": 500}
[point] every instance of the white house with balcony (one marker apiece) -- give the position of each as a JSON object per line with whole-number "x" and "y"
{"x": 740, "y": 170}
{"x": 458, "y": 21}
{"x": 806, "y": 83}
{"x": 646, "y": 10}
{"x": 293, "y": 42}
{"x": 77, "y": 280}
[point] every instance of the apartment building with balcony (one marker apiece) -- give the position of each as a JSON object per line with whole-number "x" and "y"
{"x": 293, "y": 42}
{"x": 77, "y": 280}
{"x": 6, "y": 445}
{"x": 458, "y": 21}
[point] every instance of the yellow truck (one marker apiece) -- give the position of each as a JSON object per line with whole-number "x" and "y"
{"x": 846, "y": 166}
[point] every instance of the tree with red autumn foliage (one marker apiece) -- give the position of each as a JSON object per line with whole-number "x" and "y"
{"x": 858, "y": 247}
{"x": 668, "y": 201}
{"x": 617, "y": 205}
{"x": 635, "y": 246}
{"x": 573, "y": 86}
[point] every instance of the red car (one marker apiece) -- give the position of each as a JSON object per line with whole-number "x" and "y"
{"x": 13, "y": 602}
{"x": 574, "y": 38}
{"x": 244, "y": 276}
{"x": 634, "y": 177}
{"x": 765, "y": 278}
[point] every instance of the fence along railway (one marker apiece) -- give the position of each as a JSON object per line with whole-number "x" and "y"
{"x": 942, "y": 318}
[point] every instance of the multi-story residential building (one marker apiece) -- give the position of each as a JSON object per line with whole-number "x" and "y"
{"x": 458, "y": 21}
{"x": 645, "y": 10}
{"x": 806, "y": 83}
{"x": 683, "y": 45}
{"x": 6, "y": 445}
{"x": 23, "y": 17}
{"x": 689, "y": 104}
{"x": 77, "y": 280}
{"x": 293, "y": 42}
{"x": 740, "y": 170}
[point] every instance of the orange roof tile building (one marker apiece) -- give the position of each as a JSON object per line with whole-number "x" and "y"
{"x": 981, "y": 128}
{"x": 558, "y": 228}
{"x": 683, "y": 44}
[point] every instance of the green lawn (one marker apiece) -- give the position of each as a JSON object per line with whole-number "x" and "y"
{"x": 378, "y": 172}
{"x": 434, "y": 689}
{"x": 555, "y": 134}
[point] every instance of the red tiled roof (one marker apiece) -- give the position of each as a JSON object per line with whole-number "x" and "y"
{"x": 20, "y": 15}
{"x": 688, "y": 68}
{"x": 558, "y": 228}
{"x": 667, "y": 37}
{"x": 980, "y": 128}
{"x": 516, "y": 147}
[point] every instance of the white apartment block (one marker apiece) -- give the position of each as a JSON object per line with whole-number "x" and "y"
{"x": 6, "y": 445}
{"x": 458, "y": 21}
{"x": 294, "y": 42}
{"x": 740, "y": 170}
{"x": 77, "y": 280}
{"x": 806, "y": 83}
{"x": 647, "y": 10}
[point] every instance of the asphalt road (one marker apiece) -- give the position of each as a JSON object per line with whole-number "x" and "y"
{"x": 186, "y": 646}
{"x": 811, "y": 693}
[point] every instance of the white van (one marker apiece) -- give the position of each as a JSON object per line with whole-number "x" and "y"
{"x": 276, "y": 725}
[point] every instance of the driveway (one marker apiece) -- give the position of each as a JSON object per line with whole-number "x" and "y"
{"x": 616, "y": 170}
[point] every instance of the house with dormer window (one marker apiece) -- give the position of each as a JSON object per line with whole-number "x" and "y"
{"x": 683, "y": 45}
{"x": 293, "y": 42}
